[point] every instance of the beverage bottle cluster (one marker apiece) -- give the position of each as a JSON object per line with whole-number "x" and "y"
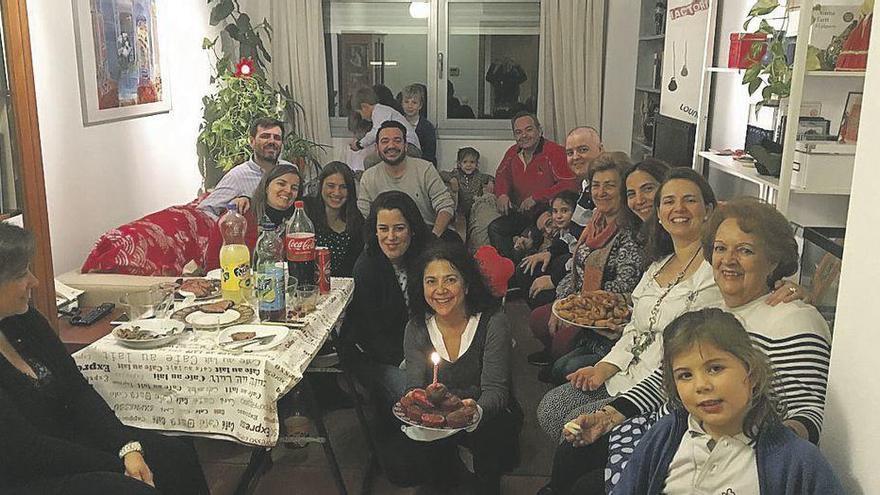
{"x": 300, "y": 243}
{"x": 270, "y": 277}
{"x": 235, "y": 258}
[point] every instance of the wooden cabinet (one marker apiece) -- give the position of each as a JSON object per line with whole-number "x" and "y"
{"x": 26, "y": 153}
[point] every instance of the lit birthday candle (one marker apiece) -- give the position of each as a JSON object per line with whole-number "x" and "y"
{"x": 435, "y": 358}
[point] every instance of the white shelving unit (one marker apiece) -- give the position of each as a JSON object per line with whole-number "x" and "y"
{"x": 815, "y": 207}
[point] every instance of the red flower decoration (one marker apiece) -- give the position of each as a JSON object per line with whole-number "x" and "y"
{"x": 245, "y": 67}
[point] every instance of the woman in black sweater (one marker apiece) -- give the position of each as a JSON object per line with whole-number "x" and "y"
{"x": 372, "y": 333}
{"x": 338, "y": 222}
{"x": 57, "y": 435}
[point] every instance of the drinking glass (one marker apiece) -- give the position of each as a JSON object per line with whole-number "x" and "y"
{"x": 290, "y": 298}
{"x": 307, "y": 298}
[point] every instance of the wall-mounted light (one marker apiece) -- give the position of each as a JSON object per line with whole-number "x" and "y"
{"x": 377, "y": 63}
{"x": 419, "y": 10}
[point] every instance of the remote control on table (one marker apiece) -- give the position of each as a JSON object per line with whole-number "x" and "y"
{"x": 93, "y": 315}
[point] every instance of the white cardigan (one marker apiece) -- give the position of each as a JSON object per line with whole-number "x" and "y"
{"x": 695, "y": 292}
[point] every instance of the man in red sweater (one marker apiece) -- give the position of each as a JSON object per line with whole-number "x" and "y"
{"x": 531, "y": 173}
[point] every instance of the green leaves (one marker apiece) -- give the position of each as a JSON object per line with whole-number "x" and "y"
{"x": 769, "y": 73}
{"x": 221, "y": 11}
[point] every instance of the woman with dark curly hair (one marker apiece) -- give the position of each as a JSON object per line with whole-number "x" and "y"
{"x": 455, "y": 315}
{"x": 372, "y": 333}
{"x": 58, "y": 435}
{"x": 338, "y": 222}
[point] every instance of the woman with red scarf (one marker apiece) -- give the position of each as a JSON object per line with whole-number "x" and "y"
{"x": 608, "y": 257}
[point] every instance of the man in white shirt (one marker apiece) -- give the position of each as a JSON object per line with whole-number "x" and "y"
{"x": 267, "y": 138}
{"x": 414, "y": 176}
{"x": 365, "y": 103}
{"x": 582, "y": 146}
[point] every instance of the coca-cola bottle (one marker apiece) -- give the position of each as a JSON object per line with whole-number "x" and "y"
{"x": 269, "y": 268}
{"x": 300, "y": 242}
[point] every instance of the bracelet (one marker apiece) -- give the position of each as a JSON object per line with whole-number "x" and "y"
{"x": 130, "y": 447}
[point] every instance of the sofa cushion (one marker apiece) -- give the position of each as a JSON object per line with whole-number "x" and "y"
{"x": 159, "y": 244}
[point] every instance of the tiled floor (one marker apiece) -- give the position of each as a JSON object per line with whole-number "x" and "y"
{"x": 305, "y": 471}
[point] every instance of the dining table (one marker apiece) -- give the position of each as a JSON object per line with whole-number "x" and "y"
{"x": 196, "y": 386}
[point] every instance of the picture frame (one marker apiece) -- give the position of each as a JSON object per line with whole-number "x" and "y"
{"x": 849, "y": 122}
{"x": 119, "y": 59}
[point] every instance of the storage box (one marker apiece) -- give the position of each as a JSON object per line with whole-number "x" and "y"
{"x": 740, "y": 48}
{"x": 823, "y": 167}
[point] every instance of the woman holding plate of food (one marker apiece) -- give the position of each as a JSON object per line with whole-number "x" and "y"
{"x": 677, "y": 280}
{"x": 608, "y": 257}
{"x": 455, "y": 316}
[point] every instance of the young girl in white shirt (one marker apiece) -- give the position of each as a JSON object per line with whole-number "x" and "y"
{"x": 725, "y": 435}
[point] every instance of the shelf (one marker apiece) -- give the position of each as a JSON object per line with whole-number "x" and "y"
{"x": 647, "y": 89}
{"x": 652, "y": 37}
{"x": 835, "y": 73}
{"x": 643, "y": 145}
{"x": 730, "y": 166}
{"x": 724, "y": 70}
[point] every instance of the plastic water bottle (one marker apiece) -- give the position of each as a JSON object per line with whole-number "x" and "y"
{"x": 269, "y": 268}
{"x": 235, "y": 258}
{"x": 300, "y": 242}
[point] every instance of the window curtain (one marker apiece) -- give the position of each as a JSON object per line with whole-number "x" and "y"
{"x": 297, "y": 49}
{"x": 571, "y": 65}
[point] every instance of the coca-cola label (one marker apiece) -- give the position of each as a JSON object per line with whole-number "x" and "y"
{"x": 300, "y": 247}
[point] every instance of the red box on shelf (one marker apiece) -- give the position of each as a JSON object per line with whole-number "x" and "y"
{"x": 740, "y": 48}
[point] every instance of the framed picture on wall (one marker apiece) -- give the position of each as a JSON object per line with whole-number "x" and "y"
{"x": 118, "y": 49}
{"x": 849, "y": 123}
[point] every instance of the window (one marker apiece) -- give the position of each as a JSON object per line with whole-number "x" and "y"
{"x": 478, "y": 59}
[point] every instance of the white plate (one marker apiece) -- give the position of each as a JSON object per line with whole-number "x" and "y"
{"x": 278, "y": 334}
{"x": 210, "y": 320}
{"x": 166, "y": 331}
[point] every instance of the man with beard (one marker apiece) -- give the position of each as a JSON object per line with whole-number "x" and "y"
{"x": 267, "y": 137}
{"x": 413, "y": 176}
{"x": 531, "y": 173}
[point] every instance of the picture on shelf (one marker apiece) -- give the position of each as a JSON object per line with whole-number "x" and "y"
{"x": 849, "y": 123}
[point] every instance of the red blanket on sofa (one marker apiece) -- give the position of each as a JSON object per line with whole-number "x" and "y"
{"x": 160, "y": 243}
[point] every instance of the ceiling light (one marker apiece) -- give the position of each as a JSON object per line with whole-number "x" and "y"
{"x": 419, "y": 10}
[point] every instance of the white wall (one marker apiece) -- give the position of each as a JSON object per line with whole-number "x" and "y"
{"x": 105, "y": 175}
{"x": 851, "y": 430}
{"x": 621, "y": 34}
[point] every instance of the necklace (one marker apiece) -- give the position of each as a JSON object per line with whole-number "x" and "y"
{"x": 643, "y": 340}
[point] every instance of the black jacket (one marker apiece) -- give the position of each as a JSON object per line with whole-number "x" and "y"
{"x": 376, "y": 318}
{"x": 60, "y": 428}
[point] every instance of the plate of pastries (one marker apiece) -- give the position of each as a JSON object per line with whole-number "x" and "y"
{"x": 596, "y": 309}
{"x": 435, "y": 408}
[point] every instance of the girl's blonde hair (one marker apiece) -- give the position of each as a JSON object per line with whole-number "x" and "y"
{"x": 722, "y": 330}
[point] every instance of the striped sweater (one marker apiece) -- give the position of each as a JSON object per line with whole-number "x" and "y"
{"x": 797, "y": 342}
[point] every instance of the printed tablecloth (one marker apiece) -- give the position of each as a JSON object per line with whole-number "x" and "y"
{"x": 192, "y": 386}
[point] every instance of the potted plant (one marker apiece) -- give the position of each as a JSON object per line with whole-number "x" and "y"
{"x": 773, "y": 71}
{"x": 242, "y": 94}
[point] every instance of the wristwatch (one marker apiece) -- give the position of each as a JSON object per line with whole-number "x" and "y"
{"x": 130, "y": 447}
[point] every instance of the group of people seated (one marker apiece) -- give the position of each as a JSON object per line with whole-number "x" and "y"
{"x": 715, "y": 385}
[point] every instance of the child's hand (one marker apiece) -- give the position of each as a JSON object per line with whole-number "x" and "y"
{"x": 354, "y": 145}
{"x": 453, "y": 185}
{"x": 529, "y": 263}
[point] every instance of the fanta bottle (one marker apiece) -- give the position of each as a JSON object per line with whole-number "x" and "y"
{"x": 235, "y": 258}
